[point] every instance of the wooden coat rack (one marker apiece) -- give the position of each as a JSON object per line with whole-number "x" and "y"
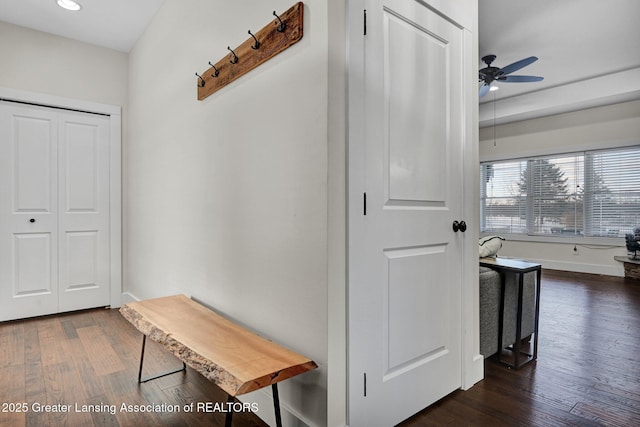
{"x": 283, "y": 32}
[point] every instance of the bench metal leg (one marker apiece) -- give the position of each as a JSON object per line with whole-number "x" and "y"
{"x": 229, "y": 418}
{"x": 140, "y": 380}
{"x": 276, "y": 404}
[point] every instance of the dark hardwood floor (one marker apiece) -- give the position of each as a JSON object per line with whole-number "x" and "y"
{"x": 587, "y": 373}
{"x": 588, "y": 367}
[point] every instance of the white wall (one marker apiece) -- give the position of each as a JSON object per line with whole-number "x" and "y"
{"x": 39, "y": 62}
{"x": 602, "y": 127}
{"x": 227, "y": 199}
{"x": 337, "y": 310}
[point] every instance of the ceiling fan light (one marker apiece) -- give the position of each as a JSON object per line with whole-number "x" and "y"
{"x": 493, "y": 88}
{"x": 69, "y": 5}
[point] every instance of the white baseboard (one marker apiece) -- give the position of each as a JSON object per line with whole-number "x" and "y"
{"x": 264, "y": 400}
{"x": 128, "y": 297}
{"x": 581, "y": 267}
{"x": 476, "y": 373}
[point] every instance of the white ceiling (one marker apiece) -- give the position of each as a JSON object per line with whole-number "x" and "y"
{"x": 588, "y": 50}
{"x": 116, "y": 24}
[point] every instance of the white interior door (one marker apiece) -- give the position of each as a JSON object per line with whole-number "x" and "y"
{"x": 405, "y": 284}
{"x": 28, "y": 211}
{"x": 54, "y": 211}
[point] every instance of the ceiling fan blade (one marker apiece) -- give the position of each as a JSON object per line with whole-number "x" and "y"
{"x": 517, "y": 65}
{"x": 483, "y": 90}
{"x": 520, "y": 79}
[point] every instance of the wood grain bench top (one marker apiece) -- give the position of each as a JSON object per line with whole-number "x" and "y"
{"x": 237, "y": 360}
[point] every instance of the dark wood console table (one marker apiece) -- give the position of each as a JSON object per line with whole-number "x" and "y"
{"x": 519, "y": 267}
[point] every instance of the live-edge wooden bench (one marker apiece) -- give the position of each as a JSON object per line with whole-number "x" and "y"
{"x": 235, "y": 359}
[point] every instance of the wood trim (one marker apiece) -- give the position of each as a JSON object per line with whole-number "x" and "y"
{"x": 272, "y": 42}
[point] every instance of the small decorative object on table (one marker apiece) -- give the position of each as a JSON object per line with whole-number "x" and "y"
{"x": 489, "y": 246}
{"x": 633, "y": 243}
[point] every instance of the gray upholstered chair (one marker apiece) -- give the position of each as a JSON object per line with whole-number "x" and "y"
{"x": 490, "y": 306}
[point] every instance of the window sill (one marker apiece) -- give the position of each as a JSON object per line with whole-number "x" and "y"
{"x": 576, "y": 240}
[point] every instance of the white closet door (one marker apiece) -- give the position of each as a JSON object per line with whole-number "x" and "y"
{"x": 54, "y": 211}
{"x": 83, "y": 218}
{"x": 28, "y": 211}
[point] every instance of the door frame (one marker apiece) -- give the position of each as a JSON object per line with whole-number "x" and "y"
{"x": 472, "y": 361}
{"x": 114, "y": 113}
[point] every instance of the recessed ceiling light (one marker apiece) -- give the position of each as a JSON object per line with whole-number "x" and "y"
{"x": 69, "y": 5}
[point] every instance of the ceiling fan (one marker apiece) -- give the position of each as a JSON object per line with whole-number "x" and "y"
{"x": 489, "y": 74}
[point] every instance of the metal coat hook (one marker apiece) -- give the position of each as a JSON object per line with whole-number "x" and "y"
{"x": 216, "y": 72}
{"x": 282, "y": 25}
{"x": 261, "y": 45}
{"x": 235, "y": 57}
{"x": 256, "y": 45}
{"x": 201, "y": 82}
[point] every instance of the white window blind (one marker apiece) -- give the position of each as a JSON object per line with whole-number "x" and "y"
{"x": 555, "y": 195}
{"x": 593, "y": 194}
{"x": 503, "y": 202}
{"x": 612, "y": 192}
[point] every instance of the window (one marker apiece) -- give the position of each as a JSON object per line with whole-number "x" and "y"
{"x": 592, "y": 194}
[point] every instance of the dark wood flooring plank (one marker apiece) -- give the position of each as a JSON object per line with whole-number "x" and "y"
{"x": 83, "y": 365}
{"x": 12, "y": 392}
{"x": 54, "y": 348}
{"x": 102, "y": 412}
{"x": 603, "y": 414}
{"x": 12, "y": 344}
{"x": 63, "y": 390}
{"x": 35, "y": 390}
{"x": 125, "y": 338}
{"x": 152, "y": 393}
{"x": 69, "y": 328}
{"x": 101, "y": 354}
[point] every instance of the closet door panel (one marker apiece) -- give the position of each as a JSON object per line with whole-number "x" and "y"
{"x": 28, "y": 211}
{"x": 84, "y": 214}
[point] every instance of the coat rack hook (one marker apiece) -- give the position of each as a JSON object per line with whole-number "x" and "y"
{"x": 235, "y": 57}
{"x": 216, "y": 72}
{"x": 282, "y": 25}
{"x": 256, "y": 45}
{"x": 201, "y": 82}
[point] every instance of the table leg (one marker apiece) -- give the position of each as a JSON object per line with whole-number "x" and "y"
{"x": 516, "y": 347}
{"x": 501, "y": 316}
{"x": 537, "y": 315}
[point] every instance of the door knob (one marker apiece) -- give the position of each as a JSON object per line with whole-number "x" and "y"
{"x": 32, "y": 220}
{"x": 459, "y": 226}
